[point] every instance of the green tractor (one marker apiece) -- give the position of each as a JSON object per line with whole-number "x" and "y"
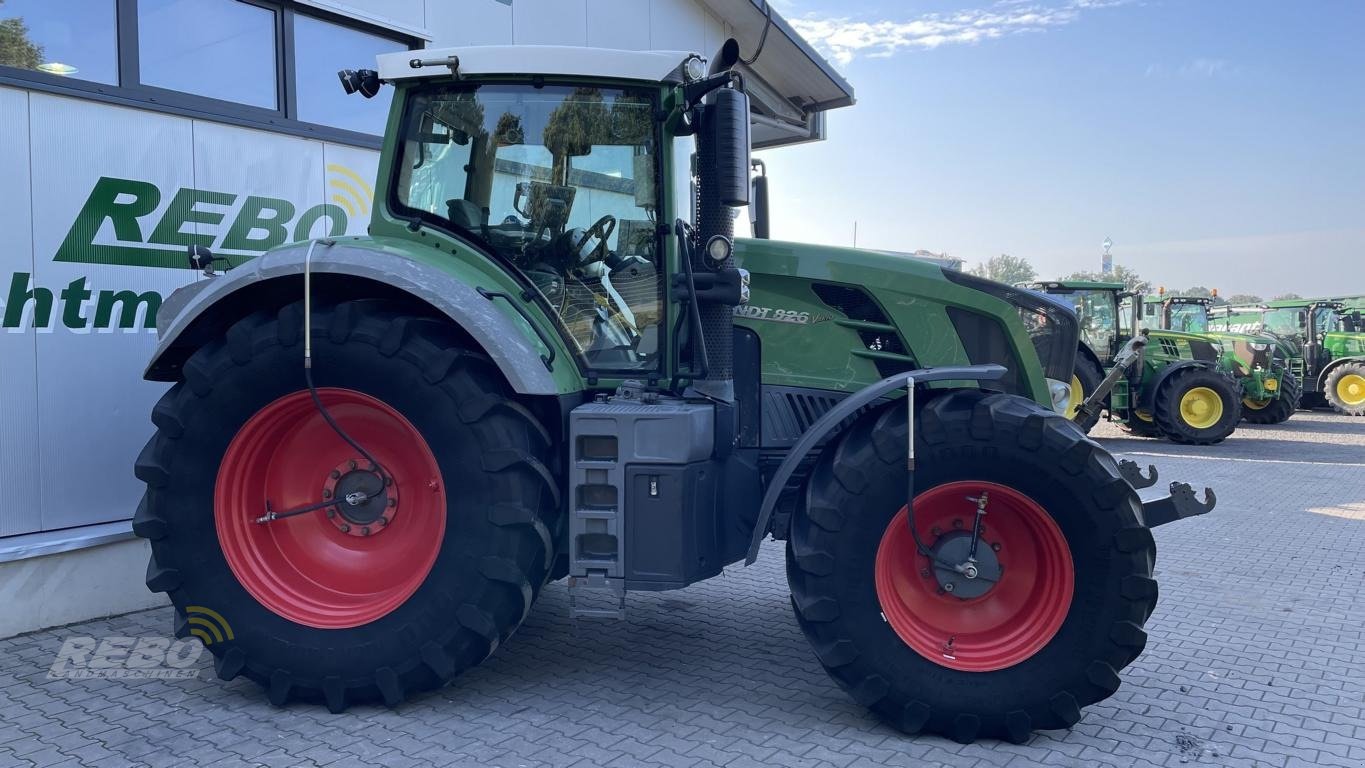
{"x": 550, "y": 358}
{"x": 1270, "y": 391}
{"x": 1315, "y": 336}
{"x": 1161, "y": 383}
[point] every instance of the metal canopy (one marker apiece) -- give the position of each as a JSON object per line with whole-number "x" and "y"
{"x": 790, "y": 85}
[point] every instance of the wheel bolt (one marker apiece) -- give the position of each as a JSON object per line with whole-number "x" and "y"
{"x": 936, "y": 530}
{"x": 352, "y": 464}
{"x": 924, "y": 573}
{"x": 334, "y": 474}
{"x": 957, "y": 523}
{"x": 393, "y": 502}
{"x": 995, "y": 547}
{"x": 365, "y": 531}
{"x": 388, "y": 481}
{"x": 331, "y": 513}
{"x": 326, "y": 494}
{"x": 345, "y": 528}
{"x": 383, "y": 521}
{"x": 949, "y": 587}
{"x": 433, "y": 485}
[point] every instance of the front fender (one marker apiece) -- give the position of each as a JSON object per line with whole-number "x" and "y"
{"x": 468, "y": 296}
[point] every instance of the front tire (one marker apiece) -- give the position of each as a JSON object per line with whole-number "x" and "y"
{"x": 1345, "y": 389}
{"x": 321, "y": 606}
{"x": 1279, "y": 409}
{"x": 1070, "y": 603}
{"x": 1198, "y": 406}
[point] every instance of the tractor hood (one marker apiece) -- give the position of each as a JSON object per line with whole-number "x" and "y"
{"x": 1191, "y": 346}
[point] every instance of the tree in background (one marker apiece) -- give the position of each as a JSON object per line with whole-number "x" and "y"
{"x": 1244, "y": 298}
{"x": 1121, "y": 274}
{"x": 1284, "y": 296}
{"x": 16, "y": 50}
{"x": 1006, "y": 269}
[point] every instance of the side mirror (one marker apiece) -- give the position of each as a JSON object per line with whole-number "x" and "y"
{"x": 758, "y": 203}
{"x": 729, "y": 123}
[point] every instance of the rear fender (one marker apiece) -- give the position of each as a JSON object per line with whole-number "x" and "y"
{"x": 1147, "y": 400}
{"x": 1332, "y": 366}
{"x": 532, "y": 361}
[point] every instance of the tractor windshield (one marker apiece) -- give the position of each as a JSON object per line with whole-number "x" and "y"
{"x": 1188, "y": 317}
{"x": 560, "y": 183}
{"x": 1097, "y": 312}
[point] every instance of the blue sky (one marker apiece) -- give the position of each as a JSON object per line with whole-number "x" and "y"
{"x": 1218, "y": 143}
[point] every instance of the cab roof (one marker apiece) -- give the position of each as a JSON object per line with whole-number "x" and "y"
{"x": 1077, "y": 285}
{"x": 552, "y": 60}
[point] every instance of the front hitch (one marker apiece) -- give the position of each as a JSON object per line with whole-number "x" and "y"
{"x": 1179, "y": 504}
{"x": 1129, "y": 354}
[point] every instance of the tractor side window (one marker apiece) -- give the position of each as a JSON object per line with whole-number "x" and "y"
{"x": 559, "y": 182}
{"x": 1096, "y": 312}
{"x": 1326, "y": 320}
{"x": 1286, "y": 322}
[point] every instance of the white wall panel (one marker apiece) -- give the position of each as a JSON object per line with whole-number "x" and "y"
{"x": 18, "y": 355}
{"x": 407, "y": 13}
{"x": 677, "y": 25}
{"x": 350, "y": 182}
{"x": 469, "y": 22}
{"x": 245, "y": 162}
{"x": 549, "y": 22}
{"x": 618, "y": 24}
{"x": 93, "y": 412}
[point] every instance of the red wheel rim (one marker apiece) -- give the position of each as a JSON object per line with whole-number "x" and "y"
{"x": 1001, "y": 628}
{"x": 306, "y": 568}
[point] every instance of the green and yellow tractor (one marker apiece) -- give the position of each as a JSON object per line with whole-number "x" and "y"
{"x": 1315, "y": 336}
{"x": 1270, "y": 391}
{"x": 551, "y": 359}
{"x": 1154, "y": 383}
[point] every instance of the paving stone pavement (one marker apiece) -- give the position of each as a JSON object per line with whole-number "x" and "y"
{"x": 1256, "y": 657}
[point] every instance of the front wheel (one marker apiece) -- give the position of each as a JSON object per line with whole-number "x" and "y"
{"x": 1346, "y": 389}
{"x": 1085, "y": 380}
{"x": 1063, "y": 586}
{"x": 1275, "y": 410}
{"x": 424, "y": 565}
{"x": 1198, "y": 406}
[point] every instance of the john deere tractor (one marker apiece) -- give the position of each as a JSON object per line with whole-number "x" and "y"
{"x": 1168, "y": 384}
{"x": 1315, "y": 336}
{"x": 1270, "y": 391}
{"x": 550, "y": 358}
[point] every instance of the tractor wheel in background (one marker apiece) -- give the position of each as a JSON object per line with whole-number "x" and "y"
{"x": 1345, "y": 389}
{"x": 357, "y": 602}
{"x": 976, "y": 660}
{"x": 1085, "y": 380}
{"x": 1198, "y": 406}
{"x": 1140, "y": 424}
{"x": 1276, "y": 410}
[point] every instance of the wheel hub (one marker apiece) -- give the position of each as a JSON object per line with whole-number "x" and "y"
{"x": 956, "y": 574}
{"x": 366, "y": 502}
{"x": 1351, "y": 389}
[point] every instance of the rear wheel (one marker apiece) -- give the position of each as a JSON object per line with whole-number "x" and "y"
{"x": 1063, "y": 540}
{"x": 422, "y": 576}
{"x": 1085, "y": 380}
{"x": 1198, "y": 406}
{"x": 1346, "y": 389}
{"x": 1275, "y": 410}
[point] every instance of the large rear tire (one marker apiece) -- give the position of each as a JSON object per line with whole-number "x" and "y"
{"x": 1198, "y": 406}
{"x": 1049, "y": 638}
{"x": 1275, "y": 410}
{"x": 1345, "y": 389}
{"x": 335, "y": 605}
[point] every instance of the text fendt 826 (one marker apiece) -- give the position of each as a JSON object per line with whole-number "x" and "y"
{"x": 551, "y": 359}
{"x": 1152, "y": 382}
{"x": 1270, "y": 391}
{"x": 1323, "y": 341}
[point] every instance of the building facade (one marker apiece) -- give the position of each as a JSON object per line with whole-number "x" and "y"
{"x": 131, "y": 129}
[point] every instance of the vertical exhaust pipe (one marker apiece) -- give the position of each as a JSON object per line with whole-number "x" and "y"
{"x": 722, "y": 185}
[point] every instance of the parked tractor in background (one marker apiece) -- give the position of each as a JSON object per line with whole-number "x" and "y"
{"x": 1270, "y": 391}
{"x": 1314, "y": 336}
{"x": 1170, "y": 385}
{"x": 550, "y": 358}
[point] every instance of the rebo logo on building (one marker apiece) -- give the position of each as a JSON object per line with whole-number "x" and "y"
{"x": 127, "y": 209}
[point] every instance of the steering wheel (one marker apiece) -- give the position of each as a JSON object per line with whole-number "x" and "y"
{"x": 602, "y": 230}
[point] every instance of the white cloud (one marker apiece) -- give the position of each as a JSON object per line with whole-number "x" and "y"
{"x": 842, "y": 38}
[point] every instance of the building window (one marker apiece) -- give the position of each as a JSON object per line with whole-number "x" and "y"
{"x": 75, "y": 38}
{"x": 223, "y": 49}
{"x": 320, "y": 50}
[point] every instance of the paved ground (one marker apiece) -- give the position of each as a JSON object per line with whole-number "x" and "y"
{"x": 1256, "y": 658}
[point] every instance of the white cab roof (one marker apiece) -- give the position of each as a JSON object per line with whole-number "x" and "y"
{"x": 577, "y": 61}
